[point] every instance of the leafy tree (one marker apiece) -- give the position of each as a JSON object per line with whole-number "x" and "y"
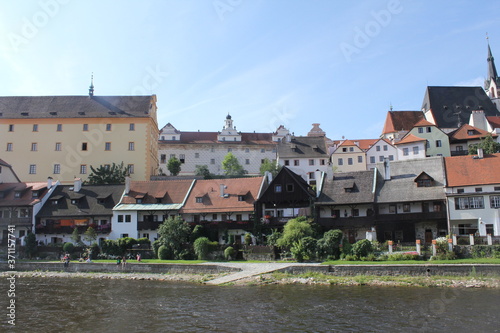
{"x": 202, "y": 247}
{"x": 68, "y": 247}
{"x": 90, "y": 235}
{"x": 488, "y": 144}
{"x": 174, "y": 166}
{"x": 270, "y": 166}
{"x": 329, "y": 244}
{"x": 272, "y": 239}
{"x": 294, "y": 230}
{"x": 362, "y": 248}
{"x": 202, "y": 170}
{"x": 197, "y": 232}
{"x": 31, "y": 245}
{"x": 304, "y": 249}
{"x": 114, "y": 174}
{"x": 173, "y": 233}
{"x": 75, "y": 236}
{"x": 231, "y": 166}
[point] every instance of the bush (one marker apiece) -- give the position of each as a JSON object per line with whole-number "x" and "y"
{"x": 31, "y": 245}
{"x": 94, "y": 251}
{"x": 248, "y": 239}
{"x": 346, "y": 247}
{"x": 272, "y": 239}
{"x": 196, "y": 233}
{"x": 403, "y": 256}
{"x": 362, "y": 248}
{"x": 350, "y": 257}
{"x": 68, "y": 247}
{"x": 445, "y": 256}
{"x": 293, "y": 231}
{"x": 229, "y": 253}
{"x": 485, "y": 251}
{"x": 164, "y": 253}
{"x": 329, "y": 245}
{"x": 304, "y": 249}
{"x": 202, "y": 247}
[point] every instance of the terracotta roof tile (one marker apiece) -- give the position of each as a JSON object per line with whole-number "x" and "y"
{"x": 468, "y": 171}
{"x": 423, "y": 122}
{"x": 494, "y": 121}
{"x": 401, "y": 121}
{"x": 213, "y": 202}
{"x": 409, "y": 139}
{"x": 26, "y": 190}
{"x": 171, "y": 191}
{"x": 463, "y": 133}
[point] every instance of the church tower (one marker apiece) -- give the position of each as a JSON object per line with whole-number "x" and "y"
{"x": 229, "y": 132}
{"x": 492, "y": 83}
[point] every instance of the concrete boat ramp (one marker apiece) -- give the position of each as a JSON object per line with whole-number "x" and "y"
{"x": 249, "y": 270}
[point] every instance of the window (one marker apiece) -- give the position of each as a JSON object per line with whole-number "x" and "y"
{"x": 9, "y": 146}
{"x": 108, "y": 127}
{"x": 212, "y": 161}
{"x": 35, "y": 127}
{"x": 287, "y": 162}
{"x": 57, "y": 168}
{"x": 214, "y": 217}
{"x": 212, "y": 150}
{"x": 296, "y": 162}
{"x": 377, "y": 148}
{"x": 241, "y": 198}
{"x": 277, "y": 188}
{"x": 459, "y": 148}
{"x": 289, "y": 187}
{"x": 360, "y": 159}
{"x": 469, "y": 203}
{"x": 173, "y": 138}
{"x": 322, "y": 161}
{"x": 59, "y": 128}
{"x": 11, "y": 128}
{"x": 438, "y": 143}
{"x": 247, "y": 161}
{"x": 495, "y": 201}
{"x": 460, "y": 190}
{"x": 355, "y": 212}
{"x": 406, "y": 208}
{"x": 182, "y": 158}
{"x": 351, "y": 148}
{"x": 128, "y": 218}
{"x": 381, "y": 158}
{"x": 349, "y": 161}
{"x": 107, "y": 146}
{"x": 415, "y": 150}
{"x": 130, "y": 168}
{"x": 196, "y": 155}
{"x": 83, "y": 169}
{"x": 229, "y": 150}
{"x": 392, "y": 209}
{"x": 58, "y": 146}
{"x": 312, "y": 175}
{"x": 32, "y": 169}
{"x": 372, "y": 159}
{"x": 131, "y": 127}
{"x": 172, "y": 155}
{"x": 420, "y": 130}
{"x": 247, "y": 150}
{"x": 391, "y": 157}
{"x": 344, "y": 150}
{"x": 496, "y": 188}
{"x": 262, "y": 150}
{"x": 163, "y": 158}
{"x": 405, "y": 152}
{"x": 34, "y": 146}
{"x": 120, "y": 218}
{"x": 479, "y": 189}
{"x": 429, "y": 129}
{"x": 311, "y": 162}
{"x": 84, "y": 146}
{"x": 131, "y": 146}
{"x": 340, "y": 161}
{"x": 385, "y": 148}
{"x": 427, "y": 144}
{"x": 424, "y": 183}
{"x": 85, "y": 127}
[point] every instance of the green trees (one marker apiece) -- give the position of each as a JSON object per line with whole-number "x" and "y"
{"x": 270, "y": 166}
{"x": 488, "y": 145}
{"x": 90, "y": 235}
{"x": 173, "y": 233}
{"x": 202, "y": 170}
{"x": 114, "y": 174}
{"x": 174, "y": 166}
{"x": 329, "y": 245}
{"x": 294, "y": 230}
{"x": 31, "y": 245}
{"x": 231, "y": 166}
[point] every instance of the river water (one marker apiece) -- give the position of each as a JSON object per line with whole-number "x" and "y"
{"x": 91, "y": 305}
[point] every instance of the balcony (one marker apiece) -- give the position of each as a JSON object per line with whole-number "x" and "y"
{"x": 17, "y": 221}
{"x": 58, "y": 229}
{"x": 411, "y": 216}
{"x": 148, "y": 225}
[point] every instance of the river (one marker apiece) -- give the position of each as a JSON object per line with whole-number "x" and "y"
{"x": 91, "y": 305}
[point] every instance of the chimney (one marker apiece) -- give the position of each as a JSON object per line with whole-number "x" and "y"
{"x": 318, "y": 175}
{"x": 78, "y": 185}
{"x": 387, "y": 169}
{"x": 127, "y": 185}
{"x": 269, "y": 176}
{"x": 49, "y": 182}
{"x": 222, "y": 187}
{"x": 480, "y": 153}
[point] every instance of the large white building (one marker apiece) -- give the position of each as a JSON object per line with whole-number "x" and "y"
{"x": 210, "y": 148}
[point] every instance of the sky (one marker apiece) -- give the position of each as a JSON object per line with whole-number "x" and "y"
{"x": 342, "y": 64}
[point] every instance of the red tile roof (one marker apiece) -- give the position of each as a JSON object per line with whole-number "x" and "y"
{"x": 171, "y": 191}
{"x": 401, "y": 121}
{"x": 26, "y": 198}
{"x": 494, "y": 121}
{"x": 462, "y": 133}
{"x": 423, "y": 122}
{"x": 209, "y": 190}
{"x": 469, "y": 171}
{"x": 410, "y": 138}
{"x": 211, "y": 137}
{"x": 363, "y": 144}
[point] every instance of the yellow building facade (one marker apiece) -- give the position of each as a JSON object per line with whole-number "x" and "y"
{"x": 63, "y": 136}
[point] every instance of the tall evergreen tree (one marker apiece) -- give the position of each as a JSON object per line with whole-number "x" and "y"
{"x": 174, "y": 166}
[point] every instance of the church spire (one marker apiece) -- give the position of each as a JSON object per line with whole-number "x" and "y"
{"x": 91, "y": 88}
{"x": 492, "y": 70}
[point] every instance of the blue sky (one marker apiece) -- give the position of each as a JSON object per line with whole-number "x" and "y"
{"x": 290, "y": 62}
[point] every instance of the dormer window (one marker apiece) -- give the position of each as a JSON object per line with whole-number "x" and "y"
{"x": 199, "y": 199}
{"x": 470, "y": 132}
{"x": 17, "y": 194}
{"x": 241, "y": 198}
{"x": 74, "y": 201}
{"x": 424, "y": 180}
{"x": 101, "y": 201}
{"x": 54, "y": 202}
{"x": 138, "y": 200}
{"x": 34, "y": 194}
{"x": 159, "y": 200}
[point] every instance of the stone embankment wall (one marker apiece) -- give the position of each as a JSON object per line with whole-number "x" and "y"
{"x": 114, "y": 268}
{"x": 389, "y": 270}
